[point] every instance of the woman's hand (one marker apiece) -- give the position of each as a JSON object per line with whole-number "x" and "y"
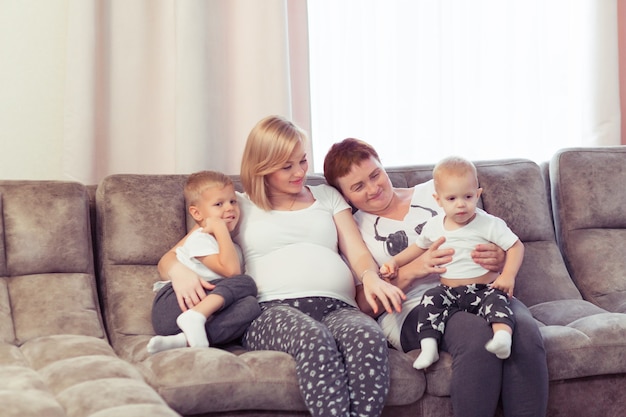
{"x": 428, "y": 263}
{"x": 377, "y": 290}
{"x": 490, "y": 256}
{"x": 188, "y": 286}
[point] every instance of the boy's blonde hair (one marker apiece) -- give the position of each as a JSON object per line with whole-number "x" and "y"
{"x": 455, "y": 166}
{"x": 270, "y": 144}
{"x": 198, "y": 182}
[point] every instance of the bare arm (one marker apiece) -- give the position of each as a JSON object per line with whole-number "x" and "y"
{"x": 428, "y": 263}
{"x": 226, "y": 261}
{"x": 389, "y": 269}
{"x": 514, "y": 258}
{"x": 375, "y": 289}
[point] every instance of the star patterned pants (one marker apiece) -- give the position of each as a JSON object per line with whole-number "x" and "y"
{"x": 341, "y": 354}
{"x": 441, "y": 302}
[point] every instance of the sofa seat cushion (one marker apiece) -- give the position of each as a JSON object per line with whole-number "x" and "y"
{"x": 118, "y": 396}
{"x": 67, "y": 299}
{"x": 241, "y": 380}
{"x": 581, "y": 339}
{"x": 439, "y": 375}
{"x": 73, "y": 375}
{"x": 24, "y": 393}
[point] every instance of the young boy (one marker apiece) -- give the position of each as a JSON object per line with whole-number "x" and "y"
{"x": 465, "y": 286}
{"x": 210, "y": 252}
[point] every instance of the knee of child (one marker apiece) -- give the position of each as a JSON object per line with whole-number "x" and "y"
{"x": 251, "y": 305}
{"x": 248, "y": 285}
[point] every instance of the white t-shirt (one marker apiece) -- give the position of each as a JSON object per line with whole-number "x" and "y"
{"x": 198, "y": 244}
{"x": 293, "y": 254}
{"x": 386, "y": 237}
{"x": 484, "y": 228}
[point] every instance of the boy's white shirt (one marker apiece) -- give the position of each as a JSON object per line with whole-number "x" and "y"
{"x": 198, "y": 244}
{"x": 483, "y": 228}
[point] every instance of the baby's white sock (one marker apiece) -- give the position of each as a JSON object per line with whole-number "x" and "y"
{"x": 159, "y": 343}
{"x": 500, "y": 345}
{"x": 428, "y": 355}
{"x": 192, "y": 324}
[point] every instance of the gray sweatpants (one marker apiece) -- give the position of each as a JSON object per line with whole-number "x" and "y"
{"x": 226, "y": 325}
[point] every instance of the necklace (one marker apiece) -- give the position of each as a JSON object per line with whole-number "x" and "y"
{"x": 289, "y": 205}
{"x": 295, "y": 197}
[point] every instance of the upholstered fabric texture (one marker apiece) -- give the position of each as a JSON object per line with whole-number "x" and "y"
{"x": 54, "y": 357}
{"x": 589, "y": 199}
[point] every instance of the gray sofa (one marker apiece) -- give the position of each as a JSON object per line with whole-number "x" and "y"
{"x": 74, "y": 341}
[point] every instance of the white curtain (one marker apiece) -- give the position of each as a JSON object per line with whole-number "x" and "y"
{"x": 96, "y": 87}
{"x": 422, "y": 79}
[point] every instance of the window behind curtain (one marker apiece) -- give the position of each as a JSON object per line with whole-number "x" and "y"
{"x": 422, "y": 79}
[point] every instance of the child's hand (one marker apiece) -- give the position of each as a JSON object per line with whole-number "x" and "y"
{"x": 388, "y": 270}
{"x": 504, "y": 284}
{"x": 211, "y": 224}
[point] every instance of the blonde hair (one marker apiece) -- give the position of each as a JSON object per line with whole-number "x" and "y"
{"x": 455, "y": 166}
{"x": 198, "y": 182}
{"x": 270, "y": 144}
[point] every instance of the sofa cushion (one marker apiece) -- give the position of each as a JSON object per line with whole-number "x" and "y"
{"x": 26, "y": 219}
{"x": 68, "y": 301}
{"x": 582, "y": 339}
{"x": 23, "y": 393}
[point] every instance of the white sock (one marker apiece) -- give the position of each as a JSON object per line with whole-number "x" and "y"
{"x": 500, "y": 345}
{"x": 192, "y": 324}
{"x": 159, "y": 343}
{"x": 428, "y": 355}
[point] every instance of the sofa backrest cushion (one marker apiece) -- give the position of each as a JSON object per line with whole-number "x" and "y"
{"x": 590, "y": 218}
{"x": 47, "y": 280}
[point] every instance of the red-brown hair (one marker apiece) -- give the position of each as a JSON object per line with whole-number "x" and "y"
{"x": 342, "y": 156}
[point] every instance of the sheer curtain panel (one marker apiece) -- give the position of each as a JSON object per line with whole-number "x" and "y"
{"x": 422, "y": 79}
{"x": 96, "y": 87}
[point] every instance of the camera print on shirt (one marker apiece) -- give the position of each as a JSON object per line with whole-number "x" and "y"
{"x": 398, "y": 241}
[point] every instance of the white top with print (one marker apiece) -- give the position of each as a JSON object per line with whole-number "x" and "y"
{"x": 386, "y": 237}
